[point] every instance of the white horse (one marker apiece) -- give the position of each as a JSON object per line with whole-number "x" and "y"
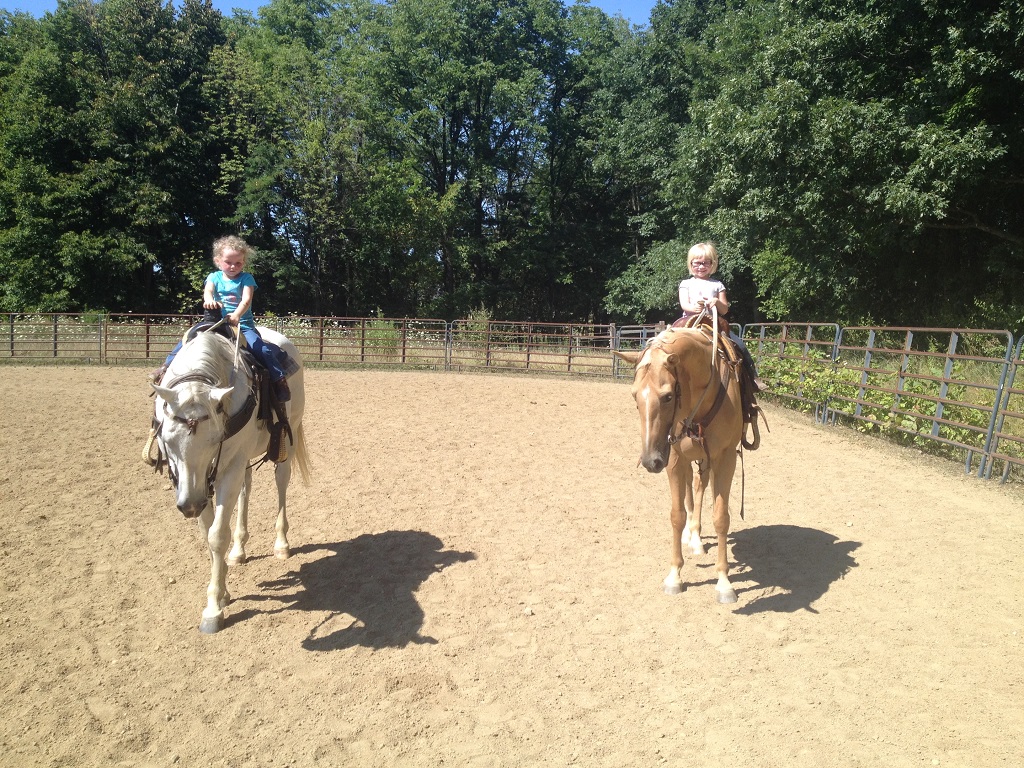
{"x": 208, "y": 429}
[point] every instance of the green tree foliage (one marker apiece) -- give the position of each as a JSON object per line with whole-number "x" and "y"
{"x": 487, "y": 98}
{"x": 102, "y": 146}
{"x": 855, "y": 161}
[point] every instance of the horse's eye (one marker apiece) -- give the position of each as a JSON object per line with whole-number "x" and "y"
{"x": 666, "y": 398}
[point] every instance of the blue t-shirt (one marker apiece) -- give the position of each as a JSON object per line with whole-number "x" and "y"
{"x": 229, "y": 293}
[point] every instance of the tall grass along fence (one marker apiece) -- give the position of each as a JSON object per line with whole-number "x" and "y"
{"x": 954, "y": 392}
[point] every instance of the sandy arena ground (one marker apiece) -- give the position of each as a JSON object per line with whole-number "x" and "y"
{"x": 476, "y": 582}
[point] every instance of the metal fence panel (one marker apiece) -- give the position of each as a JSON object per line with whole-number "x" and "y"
{"x": 797, "y": 360}
{"x": 1007, "y": 443}
{"x": 496, "y": 345}
{"x": 57, "y": 337}
{"x": 956, "y": 388}
{"x": 133, "y": 337}
{"x": 940, "y": 384}
{"x": 375, "y": 341}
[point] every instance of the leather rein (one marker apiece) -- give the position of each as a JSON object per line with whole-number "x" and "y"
{"x": 690, "y": 427}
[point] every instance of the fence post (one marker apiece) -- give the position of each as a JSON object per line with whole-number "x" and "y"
{"x": 864, "y": 375}
{"x": 568, "y": 367}
{"x": 802, "y": 378}
{"x": 947, "y": 373}
{"x": 901, "y": 378}
{"x": 55, "y": 336}
{"x": 487, "y": 345}
{"x": 613, "y": 343}
{"x": 1006, "y": 382}
{"x": 449, "y": 342}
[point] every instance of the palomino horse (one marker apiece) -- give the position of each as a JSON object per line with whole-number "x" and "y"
{"x": 690, "y": 411}
{"x": 208, "y": 426}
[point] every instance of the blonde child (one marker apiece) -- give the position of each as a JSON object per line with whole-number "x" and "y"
{"x": 230, "y": 290}
{"x": 700, "y": 292}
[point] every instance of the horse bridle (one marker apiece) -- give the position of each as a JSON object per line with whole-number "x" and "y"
{"x": 232, "y": 427}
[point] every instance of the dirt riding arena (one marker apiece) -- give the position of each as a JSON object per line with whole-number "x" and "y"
{"x": 476, "y": 582}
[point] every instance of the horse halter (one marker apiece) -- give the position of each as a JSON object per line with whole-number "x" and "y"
{"x": 191, "y": 423}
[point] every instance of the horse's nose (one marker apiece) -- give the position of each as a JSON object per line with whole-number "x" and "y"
{"x": 192, "y": 509}
{"x": 653, "y": 463}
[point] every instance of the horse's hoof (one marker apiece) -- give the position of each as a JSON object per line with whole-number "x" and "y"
{"x": 726, "y": 597}
{"x": 672, "y": 589}
{"x": 212, "y": 625}
{"x": 236, "y": 560}
{"x": 282, "y": 553}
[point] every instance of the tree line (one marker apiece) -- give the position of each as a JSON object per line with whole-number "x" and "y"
{"x": 855, "y": 162}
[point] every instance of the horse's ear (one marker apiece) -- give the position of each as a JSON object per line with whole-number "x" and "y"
{"x": 219, "y": 393}
{"x": 163, "y": 392}
{"x": 630, "y": 357}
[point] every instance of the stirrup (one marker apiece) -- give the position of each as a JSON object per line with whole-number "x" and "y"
{"x": 277, "y": 449}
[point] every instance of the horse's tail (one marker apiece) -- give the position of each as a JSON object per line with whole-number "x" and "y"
{"x": 301, "y": 456}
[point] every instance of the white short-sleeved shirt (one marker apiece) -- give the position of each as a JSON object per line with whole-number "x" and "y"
{"x": 694, "y": 288}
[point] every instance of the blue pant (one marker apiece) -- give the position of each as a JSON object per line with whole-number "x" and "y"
{"x": 744, "y": 353}
{"x": 267, "y": 353}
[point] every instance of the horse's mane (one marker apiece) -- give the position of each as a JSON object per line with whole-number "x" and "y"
{"x": 670, "y": 341}
{"x": 209, "y": 354}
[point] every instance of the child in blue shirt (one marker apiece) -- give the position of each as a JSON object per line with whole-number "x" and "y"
{"x": 231, "y": 291}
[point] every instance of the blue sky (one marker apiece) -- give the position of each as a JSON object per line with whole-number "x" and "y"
{"x": 637, "y": 11}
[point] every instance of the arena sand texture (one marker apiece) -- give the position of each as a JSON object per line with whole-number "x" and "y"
{"x": 476, "y": 582}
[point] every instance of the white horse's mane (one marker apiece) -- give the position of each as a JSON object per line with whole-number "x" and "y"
{"x": 210, "y": 357}
{"x": 209, "y": 354}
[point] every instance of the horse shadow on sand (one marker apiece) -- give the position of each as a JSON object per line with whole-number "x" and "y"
{"x": 366, "y": 586}
{"x": 793, "y": 565}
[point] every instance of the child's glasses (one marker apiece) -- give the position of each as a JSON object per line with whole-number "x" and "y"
{"x": 700, "y": 263}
